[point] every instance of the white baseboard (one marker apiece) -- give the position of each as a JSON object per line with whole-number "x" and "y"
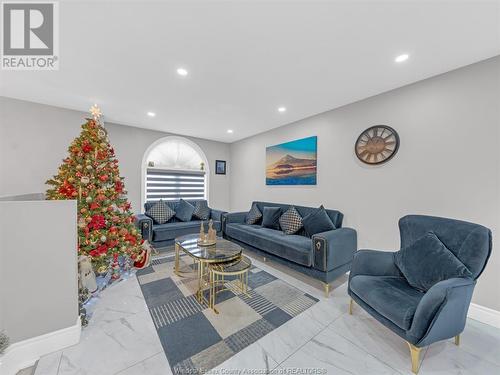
{"x": 25, "y": 353}
{"x": 484, "y": 315}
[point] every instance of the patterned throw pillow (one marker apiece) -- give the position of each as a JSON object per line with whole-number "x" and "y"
{"x": 201, "y": 210}
{"x": 160, "y": 212}
{"x": 291, "y": 221}
{"x": 254, "y": 215}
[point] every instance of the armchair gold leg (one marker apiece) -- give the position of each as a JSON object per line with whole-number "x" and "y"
{"x": 457, "y": 340}
{"x": 351, "y": 302}
{"x": 415, "y": 357}
{"x": 327, "y": 289}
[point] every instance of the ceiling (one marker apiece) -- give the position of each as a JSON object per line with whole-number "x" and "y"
{"x": 247, "y": 58}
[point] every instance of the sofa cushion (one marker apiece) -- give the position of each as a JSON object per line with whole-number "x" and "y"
{"x": 184, "y": 211}
{"x": 254, "y": 215}
{"x": 428, "y": 261}
{"x": 171, "y": 230}
{"x": 160, "y": 212}
{"x": 334, "y": 215}
{"x": 201, "y": 210}
{"x": 271, "y": 217}
{"x": 391, "y": 296}
{"x": 291, "y": 221}
{"x": 295, "y": 248}
{"x": 317, "y": 221}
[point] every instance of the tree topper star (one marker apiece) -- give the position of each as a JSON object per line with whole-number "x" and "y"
{"x": 96, "y": 112}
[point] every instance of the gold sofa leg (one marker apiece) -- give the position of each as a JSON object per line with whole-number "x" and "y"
{"x": 415, "y": 357}
{"x": 327, "y": 289}
{"x": 457, "y": 340}
{"x": 351, "y": 302}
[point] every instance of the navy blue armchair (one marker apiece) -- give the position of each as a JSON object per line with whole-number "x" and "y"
{"x": 421, "y": 317}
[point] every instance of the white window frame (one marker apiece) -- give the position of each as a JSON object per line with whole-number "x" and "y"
{"x": 144, "y": 165}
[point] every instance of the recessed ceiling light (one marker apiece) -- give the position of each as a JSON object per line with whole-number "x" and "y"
{"x": 182, "y": 72}
{"x": 151, "y": 114}
{"x": 282, "y": 109}
{"x": 230, "y": 131}
{"x": 402, "y": 58}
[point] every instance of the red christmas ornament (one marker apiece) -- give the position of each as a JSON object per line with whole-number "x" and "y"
{"x": 86, "y": 147}
{"x": 94, "y": 206}
{"x": 97, "y": 222}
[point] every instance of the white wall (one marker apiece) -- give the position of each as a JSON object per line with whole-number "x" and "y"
{"x": 447, "y": 164}
{"x": 34, "y": 139}
{"x": 38, "y": 267}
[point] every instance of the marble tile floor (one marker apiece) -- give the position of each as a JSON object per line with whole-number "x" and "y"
{"x": 121, "y": 339}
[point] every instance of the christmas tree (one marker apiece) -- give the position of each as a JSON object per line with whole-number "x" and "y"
{"x": 90, "y": 175}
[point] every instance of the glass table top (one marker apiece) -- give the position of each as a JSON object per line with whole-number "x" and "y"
{"x": 235, "y": 266}
{"x": 222, "y": 251}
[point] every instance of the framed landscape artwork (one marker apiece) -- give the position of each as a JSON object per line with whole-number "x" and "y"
{"x": 292, "y": 163}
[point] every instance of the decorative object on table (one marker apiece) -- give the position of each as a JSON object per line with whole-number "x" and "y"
{"x": 90, "y": 174}
{"x": 377, "y": 144}
{"x": 86, "y": 275}
{"x": 209, "y": 238}
{"x": 220, "y": 167}
{"x": 423, "y": 291}
{"x": 212, "y": 233}
{"x": 202, "y": 232}
{"x": 217, "y": 338}
{"x": 4, "y": 342}
{"x": 292, "y": 163}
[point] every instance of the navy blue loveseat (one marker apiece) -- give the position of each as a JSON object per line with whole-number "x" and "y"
{"x": 324, "y": 256}
{"x": 161, "y": 235}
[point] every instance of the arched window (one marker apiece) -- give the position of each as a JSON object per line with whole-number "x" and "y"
{"x": 174, "y": 168}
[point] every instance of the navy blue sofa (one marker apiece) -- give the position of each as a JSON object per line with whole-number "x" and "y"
{"x": 422, "y": 317}
{"x": 325, "y": 256}
{"x": 161, "y": 235}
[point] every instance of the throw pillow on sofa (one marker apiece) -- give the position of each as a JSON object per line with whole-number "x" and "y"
{"x": 317, "y": 221}
{"x": 254, "y": 215}
{"x": 201, "y": 210}
{"x": 417, "y": 262}
{"x": 291, "y": 221}
{"x": 184, "y": 211}
{"x": 160, "y": 212}
{"x": 271, "y": 217}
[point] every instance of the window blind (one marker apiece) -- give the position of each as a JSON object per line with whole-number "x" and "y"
{"x": 174, "y": 184}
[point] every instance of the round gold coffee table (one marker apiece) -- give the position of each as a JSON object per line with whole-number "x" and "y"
{"x": 218, "y": 271}
{"x": 222, "y": 251}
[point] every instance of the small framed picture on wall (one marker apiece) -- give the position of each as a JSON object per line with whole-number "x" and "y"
{"x": 220, "y": 167}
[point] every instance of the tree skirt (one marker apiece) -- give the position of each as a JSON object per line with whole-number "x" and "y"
{"x": 193, "y": 336}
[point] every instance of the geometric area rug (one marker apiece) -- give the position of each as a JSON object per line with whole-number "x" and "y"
{"x": 194, "y": 338}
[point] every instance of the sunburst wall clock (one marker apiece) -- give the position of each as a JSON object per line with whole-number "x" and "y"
{"x": 377, "y": 144}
